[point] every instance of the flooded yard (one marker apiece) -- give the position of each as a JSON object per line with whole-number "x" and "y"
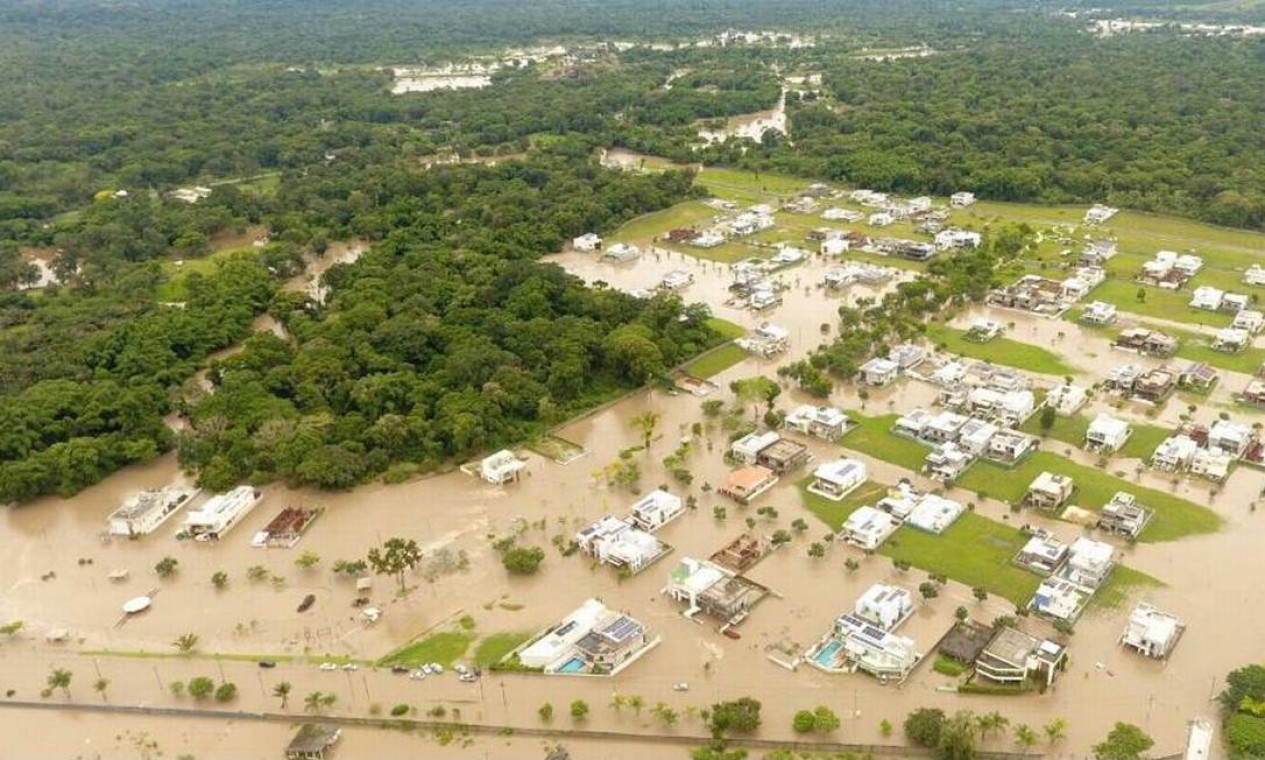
{"x": 751, "y": 126}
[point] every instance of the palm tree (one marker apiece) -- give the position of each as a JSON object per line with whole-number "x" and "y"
{"x": 312, "y": 702}
{"x": 282, "y": 690}
{"x": 60, "y": 679}
{"x": 636, "y": 702}
{"x": 993, "y": 721}
{"x": 618, "y": 701}
{"x": 186, "y": 642}
{"x": 100, "y": 685}
{"x": 1025, "y": 737}
{"x": 1056, "y": 731}
{"x": 645, "y": 423}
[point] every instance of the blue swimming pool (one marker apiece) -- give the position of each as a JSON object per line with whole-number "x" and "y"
{"x": 826, "y": 657}
{"x": 573, "y": 665}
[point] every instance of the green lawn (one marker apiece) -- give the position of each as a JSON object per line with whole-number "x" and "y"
{"x": 1011, "y": 353}
{"x": 874, "y": 437}
{"x": 833, "y": 513}
{"x": 1162, "y": 304}
{"x": 1198, "y": 348}
{"x": 728, "y": 330}
{"x": 1072, "y": 430}
{"x": 1119, "y": 588}
{"x": 1174, "y": 517}
{"x": 173, "y": 288}
{"x": 444, "y": 648}
{"x": 974, "y": 551}
{"x": 645, "y": 227}
{"x": 746, "y": 186}
{"x": 717, "y": 361}
{"x": 494, "y": 648}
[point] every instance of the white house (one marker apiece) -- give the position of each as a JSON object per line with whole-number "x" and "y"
{"x": 821, "y": 421}
{"x": 947, "y": 461}
{"x": 1207, "y": 297}
{"x": 934, "y": 514}
{"x": 1231, "y": 340}
{"x": 885, "y": 606}
{"x": 1175, "y": 453}
{"x": 1234, "y": 302}
{"x": 553, "y": 645}
{"x": 1107, "y": 434}
{"x": 835, "y": 246}
{"x": 919, "y": 205}
{"x": 1213, "y": 465}
{"x": 954, "y": 238}
{"x": 1229, "y": 437}
{"x": 1043, "y": 554}
{"x": 945, "y": 426}
{"x": 1067, "y": 399}
{"x": 656, "y": 509}
{"x": 748, "y": 447}
{"x": 1059, "y": 599}
{"x": 837, "y": 478}
{"x": 676, "y": 279}
{"x": 1014, "y": 657}
{"x": 836, "y": 214}
{"x": 1188, "y": 265}
{"x": 142, "y": 513}
{"x": 1050, "y": 491}
{"x": 621, "y": 252}
{"x": 867, "y": 528}
{"x": 1099, "y": 313}
{"x": 1098, "y": 213}
{"x": 912, "y": 423}
{"x": 880, "y": 219}
{"x": 1151, "y": 632}
{"x": 879, "y": 372}
{"x": 501, "y": 468}
{"x": 975, "y": 435}
{"x": 1249, "y": 320}
{"x": 1255, "y": 275}
{"x": 218, "y": 514}
{"x": 1088, "y": 562}
{"x": 709, "y": 239}
{"x": 1009, "y": 446}
{"x": 614, "y": 541}
{"x": 587, "y": 242}
{"x": 762, "y": 298}
{"x": 961, "y": 199}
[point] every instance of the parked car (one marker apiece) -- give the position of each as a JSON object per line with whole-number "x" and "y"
{"x": 267, "y": 664}
{"x": 350, "y": 666}
{"x": 417, "y": 675}
{"x": 307, "y": 602}
{"x": 398, "y": 669}
{"x": 329, "y": 666}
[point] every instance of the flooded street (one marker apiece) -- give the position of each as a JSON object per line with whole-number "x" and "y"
{"x": 55, "y": 577}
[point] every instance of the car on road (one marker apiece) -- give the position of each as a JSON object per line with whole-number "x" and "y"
{"x": 267, "y": 664}
{"x": 351, "y": 666}
{"x": 417, "y": 675}
{"x": 329, "y": 666}
{"x": 398, "y": 669}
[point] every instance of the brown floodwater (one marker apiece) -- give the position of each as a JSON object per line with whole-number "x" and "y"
{"x": 54, "y": 576}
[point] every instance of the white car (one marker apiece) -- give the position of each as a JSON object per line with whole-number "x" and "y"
{"x": 436, "y": 668}
{"x": 417, "y": 675}
{"x": 351, "y": 666}
{"x": 329, "y": 666}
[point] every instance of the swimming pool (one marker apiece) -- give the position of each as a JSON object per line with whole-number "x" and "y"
{"x": 826, "y": 657}
{"x": 573, "y": 665}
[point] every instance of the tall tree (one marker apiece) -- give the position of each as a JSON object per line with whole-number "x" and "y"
{"x": 395, "y": 557}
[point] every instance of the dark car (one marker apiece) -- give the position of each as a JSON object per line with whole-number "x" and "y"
{"x": 399, "y": 669}
{"x": 307, "y": 602}
{"x": 267, "y": 664}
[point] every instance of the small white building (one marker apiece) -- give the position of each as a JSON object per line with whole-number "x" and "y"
{"x": 1042, "y": 553}
{"x": 837, "y": 214}
{"x": 835, "y": 246}
{"x": 709, "y": 239}
{"x": 1088, "y": 562}
{"x": 824, "y": 422}
{"x": 587, "y": 242}
{"x": 762, "y": 298}
{"x": 1249, "y": 320}
{"x": 880, "y": 219}
{"x": 1235, "y": 302}
{"x": 1207, "y": 297}
{"x": 1231, "y": 438}
{"x": 1066, "y": 399}
{"x": 1213, "y": 465}
{"x": 885, "y": 606}
{"x": 1175, "y": 453}
{"x": 676, "y": 280}
{"x": 1009, "y": 446}
{"x": 943, "y": 427}
{"x": 1231, "y": 340}
{"x": 947, "y": 461}
{"x": 218, "y": 514}
{"x": 837, "y": 478}
{"x": 1098, "y": 213}
{"x": 621, "y": 252}
{"x": 614, "y": 541}
{"x": 912, "y": 423}
{"x": 954, "y": 238}
{"x": 961, "y": 199}
{"x": 934, "y": 514}
{"x": 748, "y": 447}
{"x": 867, "y": 528}
{"x": 501, "y": 468}
{"x": 789, "y": 254}
{"x": 879, "y": 372}
{"x": 1099, "y": 313}
{"x": 1059, "y": 599}
{"x": 1151, "y": 632}
{"x": 1050, "y": 491}
{"x": 1107, "y": 434}
{"x": 142, "y": 513}
{"x": 1255, "y": 275}
{"x": 656, "y": 509}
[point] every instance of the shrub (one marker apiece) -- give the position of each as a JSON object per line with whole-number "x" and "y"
{"x": 226, "y": 692}
{"x": 400, "y": 710}
{"x": 523, "y": 560}
{"x": 923, "y": 726}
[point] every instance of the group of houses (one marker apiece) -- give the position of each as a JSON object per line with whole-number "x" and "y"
{"x": 881, "y": 371}
{"x": 1004, "y": 655}
{"x": 958, "y": 440}
{"x": 853, "y": 272}
{"x": 1209, "y": 298}
{"x": 629, "y": 543}
{"x": 1044, "y": 296}
{"x": 1155, "y": 385}
{"x": 1208, "y": 451}
{"x": 1064, "y": 593}
{"x": 1170, "y": 270}
{"x": 762, "y": 458}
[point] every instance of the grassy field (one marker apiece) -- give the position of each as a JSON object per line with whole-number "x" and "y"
{"x": 1072, "y": 430}
{"x": 444, "y": 648}
{"x": 1011, "y": 353}
{"x": 1174, "y": 517}
{"x": 748, "y": 187}
{"x": 1119, "y": 588}
{"x": 173, "y": 289}
{"x": 833, "y": 513}
{"x": 975, "y": 551}
{"x": 645, "y": 227}
{"x": 728, "y": 330}
{"x": 494, "y": 648}
{"x": 1162, "y": 304}
{"x": 717, "y": 361}
{"x": 874, "y": 437}
{"x": 1198, "y": 348}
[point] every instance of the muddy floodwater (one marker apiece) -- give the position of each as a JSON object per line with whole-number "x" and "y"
{"x": 751, "y": 126}
{"x": 55, "y": 572}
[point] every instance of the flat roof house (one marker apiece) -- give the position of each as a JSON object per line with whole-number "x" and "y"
{"x": 676, "y": 279}
{"x": 1228, "y": 437}
{"x": 1099, "y": 313}
{"x": 1059, "y": 599}
{"x": 1151, "y": 632}
{"x": 1253, "y": 393}
{"x": 954, "y": 238}
{"x": 1175, "y": 453}
{"x": 838, "y": 478}
{"x": 1107, "y": 434}
{"x": 912, "y": 423}
{"x": 1213, "y": 465}
{"x": 1066, "y": 399}
{"x": 783, "y": 455}
{"x": 1098, "y": 213}
{"x": 1042, "y": 554}
{"x": 863, "y": 646}
{"x": 907, "y": 355}
{"x": 703, "y": 586}
{"x": 1088, "y": 562}
{"x": 748, "y": 447}
{"x": 823, "y": 422}
{"x": 592, "y": 640}
{"x": 1255, "y": 275}
{"x": 1050, "y": 491}
{"x": 879, "y": 372}
{"x": 501, "y": 467}
{"x": 746, "y": 483}
{"x": 1009, "y": 446}
{"x": 1013, "y": 657}
{"x": 962, "y": 199}
{"x": 1123, "y": 515}
{"x": 1249, "y": 320}
{"x": 947, "y": 461}
{"x": 945, "y": 426}
{"x": 1146, "y": 342}
{"x": 881, "y": 219}
{"x": 1231, "y": 340}
{"x": 143, "y": 512}
{"x": 885, "y": 606}
{"x": 218, "y": 514}
{"x": 587, "y": 242}
{"x": 1154, "y": 385}
{"x": 621, "y": 252}
{"x": 934, "y": 514}
{"x": 1198, "y": 375}
{"x": 615, "y": 541}
{"x": 656, "y": 509}
{"x": 867, "y": 528}
{"x": 1207, "y": 297}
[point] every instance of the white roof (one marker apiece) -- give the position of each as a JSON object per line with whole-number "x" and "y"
{"x": 1047, "y": 547}
{"x": 934, "y": 513}
{"x": 752, "y": 443}
{"x": 1176, "y": 447}
{"x": 1108, "y": 427}
{"x": 1229, "y": 429}
{"x": 699, "y": 575}
{"x": 657, "y": 500}
{"x": 841, "y": 471}
{"x": 868, "y": 520}
{"x": 772, "y": 332}
{"x": 826, "y": 415}
{"x": 880, "y": 366}
{"x": 1091, "y": 553}
{"x": 221, "y": 508}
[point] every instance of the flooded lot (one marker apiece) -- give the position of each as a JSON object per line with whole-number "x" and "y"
{"x": 751, "y": 126}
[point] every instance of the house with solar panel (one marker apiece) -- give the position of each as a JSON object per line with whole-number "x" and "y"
{"x": 593, "y": 640}
{"x": 864, "y": 639}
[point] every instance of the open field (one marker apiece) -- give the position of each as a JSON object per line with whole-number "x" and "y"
{"x": 1071, "y": 430}
{"x": 874, "y": 438}
{"x": 648, "y": 226}
{"x": 748, "y": 187}
{"x": 1001, "y": 350}
{"x": 716, "y": 361}
{"x": 173, "y": 289}
{"x": 445, "y": 648}
{"x": 1162, "y": 304}
{"x": 833, "y": 513}
{"x": 1175, "y": 518}
{"x": 728, "y": 330}
{"x": 494, "y": 648}
{"x": 974, "y": 551}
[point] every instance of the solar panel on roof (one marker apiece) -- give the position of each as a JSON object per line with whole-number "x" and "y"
{"x": 622, "y": 629}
